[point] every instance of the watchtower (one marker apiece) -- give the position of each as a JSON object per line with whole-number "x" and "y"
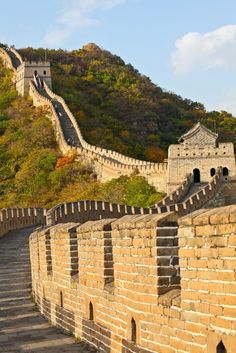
{"x": 200, "y": 154}
{"x": 26, "y": 72}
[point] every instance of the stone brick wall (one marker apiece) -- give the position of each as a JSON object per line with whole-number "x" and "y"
{"x": 109, "y": 164}
{"x": 133, "y": 285}
{"x": 40, "y": 100}
{"x": 178, "y": 194}
{"x": 15, "y": 52}
{"x": 229, "y": 192}
{"x": 25, "y": 74}
{"x": 208, "y": 276}
{"x": 83, "y": 211}
{"x": 18, "y": 218}
{"x": 6, "y": 60}
{"x": 183, "y": 160}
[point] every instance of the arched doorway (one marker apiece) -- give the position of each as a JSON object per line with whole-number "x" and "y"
{"x": 212, "y": 172}
{"x": 196, "y": 175}
{"x": 225, "y": 171}
{"x": 221, "y": 348}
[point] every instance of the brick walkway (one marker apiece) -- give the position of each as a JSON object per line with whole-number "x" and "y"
{"x": 22, "y": 328}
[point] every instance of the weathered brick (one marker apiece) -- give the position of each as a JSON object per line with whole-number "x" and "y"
{"x": 131, "y": 275}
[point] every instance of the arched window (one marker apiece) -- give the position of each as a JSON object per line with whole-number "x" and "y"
{"x": 196, "y": 175}
{"x": 225, "y": 171}
{"x": 212, "y": 172}
{"x": 61, "y": 299}
{"x": 45, "y": 72}
{"x": 221, "y": 348}
{"x": 36, "y": 72}
{"x": 91, "y": 316}
{"x": 133, "y": 330}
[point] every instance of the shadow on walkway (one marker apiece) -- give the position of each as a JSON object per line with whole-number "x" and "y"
{"x": 22, "y": 328}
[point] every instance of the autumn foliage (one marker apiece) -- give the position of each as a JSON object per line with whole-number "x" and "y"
{"x": 65, "y": 160}
{"x": 118, "y": 108}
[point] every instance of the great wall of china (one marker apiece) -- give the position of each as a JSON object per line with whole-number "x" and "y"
{"x": 128, "y": 279}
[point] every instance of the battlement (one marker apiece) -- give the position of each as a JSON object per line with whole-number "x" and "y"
{"x": 34, "y": 64}
{"x": 128, "y": 284}
{"x": 26, "y": 72}
{"x": 4, "y": 55}
{"x": 194, "y": 151}
{"x": 18, "y": 218}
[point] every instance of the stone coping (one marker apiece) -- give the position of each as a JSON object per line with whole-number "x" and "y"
{"x": 220, "y": 215}
{"x": 147, "y": 221}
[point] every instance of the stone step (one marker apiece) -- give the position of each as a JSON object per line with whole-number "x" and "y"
{"x": 22, "y": 328}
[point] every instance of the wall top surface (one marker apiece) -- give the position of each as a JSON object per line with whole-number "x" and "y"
{"x": 221, "y": 215}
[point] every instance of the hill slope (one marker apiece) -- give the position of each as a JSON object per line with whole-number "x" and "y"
{"x": 32, "y": 171}
{"x": 120, "y": 109}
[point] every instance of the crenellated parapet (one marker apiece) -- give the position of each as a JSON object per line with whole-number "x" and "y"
{"x": 18, "y": 218}
{"x": 40, "y": 100}
{"x": 109, "y": 164}
{"x": 6, "y": 59}
{"x": 141, "y": 283}
{"x": 88, "y": 210}
{"x": 113, "y": 156}
{"x": 15, "y": 52}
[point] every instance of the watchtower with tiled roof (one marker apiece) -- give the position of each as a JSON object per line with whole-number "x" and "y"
{"x": 200, "y": 154}
{"x": 199, "y": 135}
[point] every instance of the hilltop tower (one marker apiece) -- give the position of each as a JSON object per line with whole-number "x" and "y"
{"x": 28, "y": 70}
{"x": 200, "y": 154}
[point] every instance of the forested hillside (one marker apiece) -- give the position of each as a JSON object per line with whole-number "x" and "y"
{"x": 118, "y": 108}
{"x": 115, "y": 106}
{"x": 32, "y": 170}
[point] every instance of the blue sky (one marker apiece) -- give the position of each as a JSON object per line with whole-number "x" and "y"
{"x": 184, "y": 46}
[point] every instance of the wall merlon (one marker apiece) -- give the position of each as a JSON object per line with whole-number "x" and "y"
{"x": 18, "y": 218}
{"x": 100, "y": 225}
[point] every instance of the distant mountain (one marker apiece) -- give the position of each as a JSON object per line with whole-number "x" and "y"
{"x": 118, "y": 108}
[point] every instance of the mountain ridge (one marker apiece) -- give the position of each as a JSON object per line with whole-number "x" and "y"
{"x": 118, "y": 108}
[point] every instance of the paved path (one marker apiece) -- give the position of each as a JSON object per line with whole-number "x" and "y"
{"x": 22, "y": 328}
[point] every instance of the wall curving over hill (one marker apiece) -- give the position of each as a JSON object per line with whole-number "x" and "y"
{"x": 108, "y": 164}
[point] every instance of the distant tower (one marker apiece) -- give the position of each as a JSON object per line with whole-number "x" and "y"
{"x": 199, "y": 153}
{"x": 27, "y": 70}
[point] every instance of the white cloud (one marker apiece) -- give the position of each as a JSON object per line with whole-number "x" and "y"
{"x": 77, "y": 14}
{"x": 205, "y": 51}
{"x": 56, "y": 36}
